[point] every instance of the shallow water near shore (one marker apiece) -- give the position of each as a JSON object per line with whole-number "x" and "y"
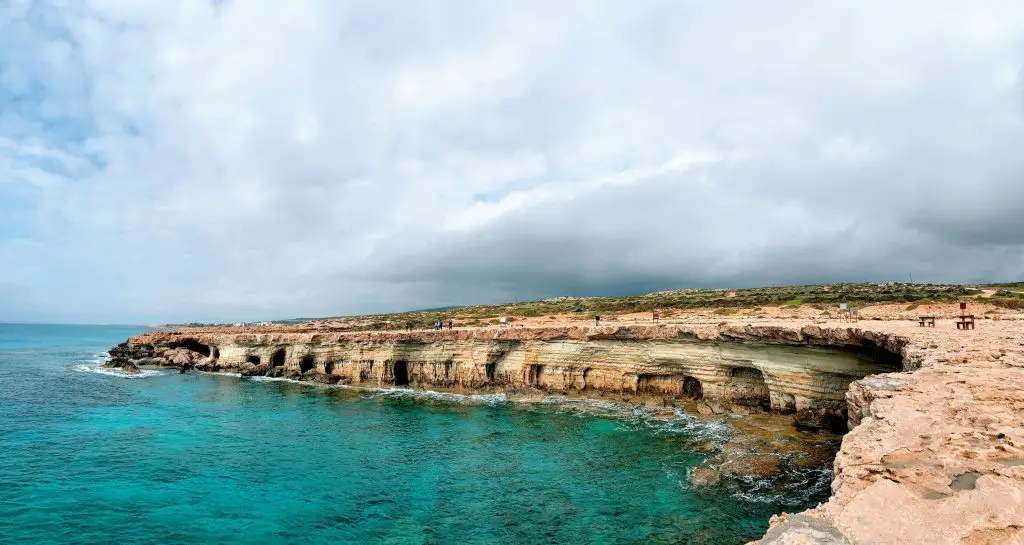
{"x": 89, "y": 455}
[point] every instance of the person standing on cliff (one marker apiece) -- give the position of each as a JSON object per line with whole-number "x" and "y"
{"x": 450, "y": 325}
{"x": 597, "y": 320}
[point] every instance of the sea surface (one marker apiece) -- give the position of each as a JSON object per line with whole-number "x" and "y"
{"x": 92, "y": 456}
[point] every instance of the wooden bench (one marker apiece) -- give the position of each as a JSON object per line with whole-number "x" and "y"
{"x": 965, "y": 322}
{"x": 926, "y": 321}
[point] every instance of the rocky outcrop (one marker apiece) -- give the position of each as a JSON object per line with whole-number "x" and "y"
{"x": 935, "y": 455}
{"x": 804, "y": 371}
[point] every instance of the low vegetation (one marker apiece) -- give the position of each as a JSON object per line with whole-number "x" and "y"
{"x": 718, "y": 301}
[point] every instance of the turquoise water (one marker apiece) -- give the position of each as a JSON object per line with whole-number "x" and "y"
{"x": 87, "y": 457}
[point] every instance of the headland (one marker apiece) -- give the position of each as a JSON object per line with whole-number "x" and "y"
{"x": 935, "y": 416}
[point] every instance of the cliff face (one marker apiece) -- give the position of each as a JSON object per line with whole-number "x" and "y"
{"x": 805, "y": 371}
{"x": 935, "y": 455}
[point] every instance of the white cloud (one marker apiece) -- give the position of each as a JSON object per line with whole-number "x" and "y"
{"x": 245, "y": 159}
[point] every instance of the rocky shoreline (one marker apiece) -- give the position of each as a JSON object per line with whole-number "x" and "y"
{"x": 935, "y": 415}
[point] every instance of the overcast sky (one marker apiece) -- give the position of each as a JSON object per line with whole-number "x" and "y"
{"x": 258, "y": 159}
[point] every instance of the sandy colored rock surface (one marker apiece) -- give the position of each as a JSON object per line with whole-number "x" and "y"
{"x": 935, "y": 455}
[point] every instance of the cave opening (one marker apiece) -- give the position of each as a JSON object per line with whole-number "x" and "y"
{"x": 535, "y": 372}
{"x": 489, "y": 371}
{"x": 748, "y": 387}
{"x": 692, "y": 388}
{"x": 329, "y": 367}
{"x": 193, "y": 345}
{"x": 216, "y": 353}
{"x": 401, "y": 373}
{"x": 253, "y": 359}
{"x": 277, "y": 360}
{"x": 307, "y": 363}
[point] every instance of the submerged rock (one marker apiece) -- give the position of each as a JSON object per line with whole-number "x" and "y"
{"x": 752, "y": 465}
{"x": 702, "y": 477}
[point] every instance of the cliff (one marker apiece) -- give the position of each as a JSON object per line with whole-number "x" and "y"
{"x": 805, "y": 371}
{"x": 936, "y": 448}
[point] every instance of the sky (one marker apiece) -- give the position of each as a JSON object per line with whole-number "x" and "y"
{"x": 254, "y": 159}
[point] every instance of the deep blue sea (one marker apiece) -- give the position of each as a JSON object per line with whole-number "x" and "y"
{"x": 94, "y": 457}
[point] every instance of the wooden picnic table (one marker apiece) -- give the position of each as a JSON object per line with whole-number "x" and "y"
{"x": 926, "y": 321}
{"x": 965, "y": 321}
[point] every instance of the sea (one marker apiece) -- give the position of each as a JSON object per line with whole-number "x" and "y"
{"x": 89, "y": 455}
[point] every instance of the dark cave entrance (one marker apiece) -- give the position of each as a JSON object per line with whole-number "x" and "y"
{"x": 277, "y": 360}
{"x": 489, "y": 371}
{"x": 401, "y": 373}
{"x": 329, "y": 367}
{"x": 193, "y": 345}
{"x": 692, "y": 388}
{"x": 748, "y": 387}
{"x": 534, "y": 375}
{"x": 307, "y": 363}
{"x": 253, "y": 359}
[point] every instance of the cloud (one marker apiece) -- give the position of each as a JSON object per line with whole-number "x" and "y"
{"x": 242, "y": 160}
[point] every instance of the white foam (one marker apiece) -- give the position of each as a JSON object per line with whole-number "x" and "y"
{"x": 451, "y": 397}
{"x": 95, "y": 367}
{"x": 278, "y": 379}
{"x": 715, "y": 431}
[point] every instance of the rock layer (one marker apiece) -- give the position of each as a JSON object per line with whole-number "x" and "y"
{"x": 805, "y": 371}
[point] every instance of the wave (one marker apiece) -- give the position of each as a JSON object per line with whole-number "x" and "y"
{"x": 395, "y": 392}
{"x": 95, "y": 367}
{"x": 451, "y": 397}
{"x": 716, "y": 431}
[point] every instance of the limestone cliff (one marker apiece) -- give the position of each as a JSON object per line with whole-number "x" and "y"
{"x": 935, "y": 455}
{"x": 805, "y": 371}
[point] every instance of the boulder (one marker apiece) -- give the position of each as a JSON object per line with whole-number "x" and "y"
{"x": 183, "y": 357}
{"x": 820, "y": 419}
{"x": 321, "y": 378}
{"x": 208, "y": 365}
{"x": 253, "y": 370}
